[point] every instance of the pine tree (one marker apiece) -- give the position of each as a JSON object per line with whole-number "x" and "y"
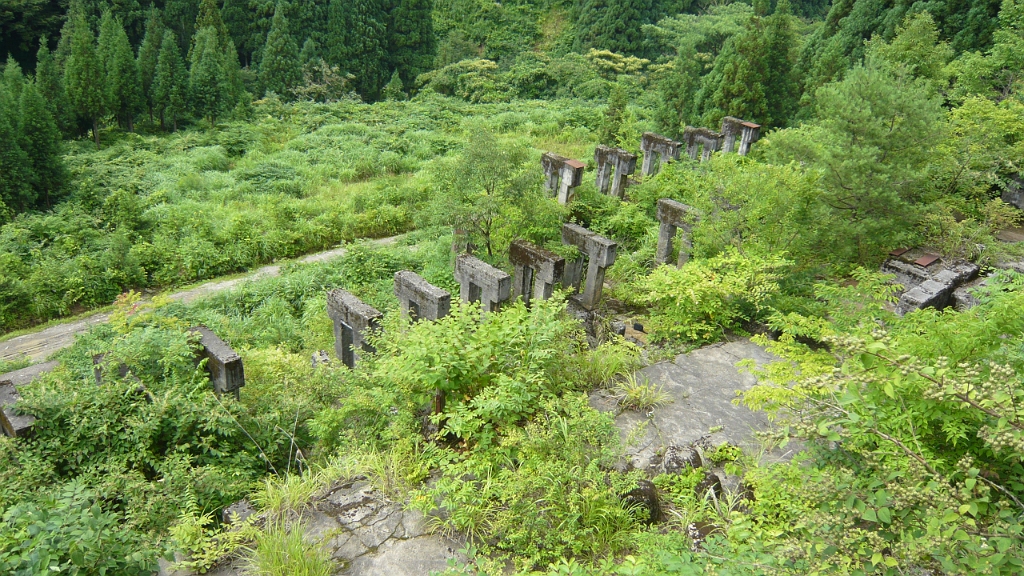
{"x": 123, "y": 88}
{"x": 781, "y": 88}
{"x": 40, "y": 139}
{"x": 394, "y": 90}
{"x": 83, "y": 77}
{"x": 148, "y": 54}
{"x": 14, "y": 79}
{"x": 169, "y": 83}
{"x": 105, "y": 44}
{"x": 357, "y": 37}
{"x": 279, "y": 67}
{"x": 209, "y": 17}
{"x": 209, "y": 88}
{"x": 411, "y": 43}
{"x": 15, "y": 189}
{"x": 614, "y": 25}
{"x": 310, "y": 55}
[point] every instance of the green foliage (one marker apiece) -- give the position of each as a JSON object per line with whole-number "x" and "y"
{"x": 357, "y": 42}
{"x": 279, "y": 66}
{"x": 411, "y": 43}
{"x": 40, "y": 140}
{"x": 394, "y": 90}
{"x": 124, "y": 95}
{"x": 209, "y": 87}
{"x": 704, "y": 298}
{"x": 69, "y": 532}
{"x": 282, "y": 550}
{"x": 640, "y": 394}
{"x": 83, "y": 76}
{"x": 149, "y": 54}
{"x": 170, "y": 82}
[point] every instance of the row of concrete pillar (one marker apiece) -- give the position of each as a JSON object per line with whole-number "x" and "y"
{"x": 615, "y": 165}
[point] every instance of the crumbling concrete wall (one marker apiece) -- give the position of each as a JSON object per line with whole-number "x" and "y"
{"x": 12, "y": 422}
{"x": 614, "y": 166}
{"x": 421, "y": 300}
{"x": 600, "y": 253}
{"x": 928, "y": 285}
{"x": 481, "y": 282}
{"x": 353, "y": 319}
{"x": 674, "y": 215}
{"x": 702, "y": 142}
{"x": 563, "y": 175}
{"x": 536, "y": 270}
{"x": 222, "y": 362}
{"x": 665, "y": 149}
{"x": 734, "y": 129}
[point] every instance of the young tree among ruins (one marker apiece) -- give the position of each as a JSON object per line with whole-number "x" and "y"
{"x": 279, "y": 67}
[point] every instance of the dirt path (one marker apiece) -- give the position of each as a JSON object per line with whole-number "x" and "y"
{"x": 38, "y": 346}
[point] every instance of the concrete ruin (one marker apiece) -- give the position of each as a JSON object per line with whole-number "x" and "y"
{"x": 421, "y": 300}
{"x": 928, "y": 281}
{"x": 536, "y": 271}
{"x": 222, "y": 362}
{"x": 747, "y": 132}
{"x": 614, "y": 166}
{"x": 481, "y": 282}
{"x": 563, "y": 175}
{"x": 673, "y": 215}
{"x": 702, "y": 142}
{"x": 14, "y": 424}
{"x": 666, "y": 149}
{"x": 353, "y": 319}
{"x": 600, "y": 253}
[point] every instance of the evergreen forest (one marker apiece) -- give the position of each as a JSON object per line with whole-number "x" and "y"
{"x": 232, "y": 164}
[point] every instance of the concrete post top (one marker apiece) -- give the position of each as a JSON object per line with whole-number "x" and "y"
{"x": 216, "y": 347}
{"x": 575, "y": 169}
{"x": 523, "y": 253}
{"x": 406, "y": 282}
{"x": 343, "y": 306}
{"x": 552, "y": 162}
{"x": 604, "y": 154}
{"x": 654, "y": 142}
{"x": 478, "y": 272}
{"x": 675, "y": 213}
{"x": 598, "y": 248}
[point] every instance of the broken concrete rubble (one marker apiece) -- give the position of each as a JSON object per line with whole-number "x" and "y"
{"x": 563, "y": 174}
{"x": 353, "y": 319}
{"x": 614, "y": 166}
{"x": 421, "y": 300}
{"x": 927, "y": 285}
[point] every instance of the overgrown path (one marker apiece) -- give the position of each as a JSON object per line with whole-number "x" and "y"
{"x": 38, "y": 346}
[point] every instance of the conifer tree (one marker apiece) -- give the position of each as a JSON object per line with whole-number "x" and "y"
{"x": 51, "y": 87}
{"x": 14, "y": 79}
{"x": 105, "y": 43}
{"x": 781, "y": 88}
{"x": 83, "y": 77}
{"x": 279, "y": 67}
{"x": 310, "y": 54}
{"x": 15, "y": 189}
{"x": 614, "y": 25}
{"x": 357, "y": 40}
{"x": 614, "y": 115}
{"x": 123, "y": 88}
{"x": 169, "y": 83}
{"x": 40, "y": 139}
{"x": 209, "y": 17}
{"x": 394, "y": 89}
{"x": 149, "y": 51}
{"x": 411, "y": 43}
{"x": 209, "y": 88}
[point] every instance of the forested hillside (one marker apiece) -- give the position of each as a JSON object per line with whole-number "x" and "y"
{"x": 149, "y": 146}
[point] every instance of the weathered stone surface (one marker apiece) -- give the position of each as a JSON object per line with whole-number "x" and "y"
{"x": 563, "y": 174}
{"x": 353, "y": 319}
{"x": 965, "y": 297}
{"x": 652, "y": 144}
{"x": 599, "y": 251}
{"x": 701, "y": 141}
{"x": 14, "y": 424}
{"x": 645, "y": 497}
{"x": 710, "y": 485}
{"x": 412, "y": 557}
{"x": 673, "y": 215}
{"x": 481, "y": 282}
{"x": 321, "y": 358}
{"x": 678, "y": 459}
{"x": 98, "y": 361}
{"x": 237, "y": 512}
{"x": 223, "y": 363}
{"x": 421, "y": 300}
{"x": 537, "y": 270}
{"x": 930, "y": 286}
{"x": 26, "y": 375}
{"x": 1014, "y": 193}
{"x": 747, "y": 132}
{"x": 701, "y": 386}
{"x": 614, "y": 166}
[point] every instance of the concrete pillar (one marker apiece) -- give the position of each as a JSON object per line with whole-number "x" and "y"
{"x": 419, "y": 299}
{"x": 481, "y": 282}
{"x": 673, "y": 215}
{"x": 536, "y": 267}
{"x": 353, "y": 319}
{"x": 599, "y": 251}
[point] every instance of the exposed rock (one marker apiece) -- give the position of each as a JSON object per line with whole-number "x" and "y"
{"x": 930, "y": 285}
{"x": 237, "y": 512}
{"x": 679, "y": 459}
{"x": 645, "y": 496}
{"x": 411, "y": 557}
{"x": 711, "y": 483}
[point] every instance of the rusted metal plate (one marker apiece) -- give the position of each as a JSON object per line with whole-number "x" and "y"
{"x": 926, "y": 260}
{"x": 575, "y": 164}
{"x": 750, "y": 125}
{"x": 899, "y": 252}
